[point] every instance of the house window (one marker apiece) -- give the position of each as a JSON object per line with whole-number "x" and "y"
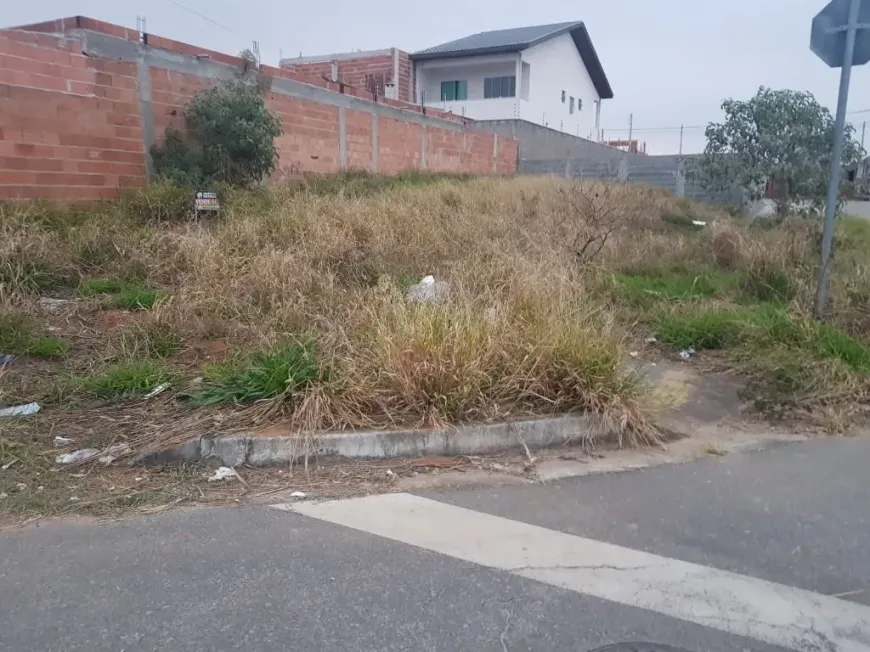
{"x": 563, "y": 97}
{"x": 500, "y": 87}
{"x": 454, "y": 90}
{"x": 579, "y": 104}
{"x": 571, "y": 105}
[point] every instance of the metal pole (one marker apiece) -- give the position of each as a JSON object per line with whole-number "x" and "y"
{"x": 836, "y": 156}
{"x": 630, "y": 128}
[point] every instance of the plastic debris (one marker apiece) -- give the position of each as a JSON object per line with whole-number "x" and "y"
{"x": 6, "y": 358}
{"x": 3, "y": 495}
{"x": 699, "y": 223}
{"x": 157, "y": 390}
{"x": 73, "y": 499}
{"x": 21, "y": 486}
{"x": 633, "y": 354}
{"x": 687, "y": 353}
{"x": 6, "y": 466}
{"x": 427, "y": 290}
{"x": 651, "y": 340}
{"x": 76, "y": 456}
{"x": 299, "y": 494}
{"x": 40, "y": 488}
{"x": 62, "y": 441}
{"x": 223, "y": 473}
{"x": 390, "y": 473}
{"x": 138, "y": 478}
{"x": 20, "y": 410}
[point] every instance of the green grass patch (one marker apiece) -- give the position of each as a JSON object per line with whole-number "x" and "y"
{"x": 759, "y": 329}
{"x": 95, "y": 286}
{"x": 128, "y": 379}
{"x": 648, "y": 284}
{"x": 267, "y": 374}
{"x": 125, "y": 295}
{"x": 137, "y": 299}
{"x": 17, "y": 336}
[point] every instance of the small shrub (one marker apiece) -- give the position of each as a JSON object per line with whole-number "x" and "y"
{"x": 162, "y": 200}
{"x": 727, "y": 249}
{"x": 268, "y": 374}
{"x": 231, "y": 137}
{"x": 127, "y": 379}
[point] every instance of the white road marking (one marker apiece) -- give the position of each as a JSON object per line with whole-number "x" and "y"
{"x": 736, "y": 604}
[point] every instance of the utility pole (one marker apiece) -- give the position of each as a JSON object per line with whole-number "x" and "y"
{"x": 630, "y": 129}
{"x": 863, "y": 129}
{"x": 681, "y": 140}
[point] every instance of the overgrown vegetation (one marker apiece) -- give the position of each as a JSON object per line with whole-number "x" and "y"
{"x": 549, "y": 286}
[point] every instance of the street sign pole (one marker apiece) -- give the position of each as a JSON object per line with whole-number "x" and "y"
{"x": 836, "y": 156}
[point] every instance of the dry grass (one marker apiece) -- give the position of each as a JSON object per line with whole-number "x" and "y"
{"x": 518, "y": 333}
{"x": 547, "y": 280}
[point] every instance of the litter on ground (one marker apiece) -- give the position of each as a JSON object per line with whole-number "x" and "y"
{"x": 20, "y": 410}
{"x": 76, "y": 456}
{"x": 223, "y": 473}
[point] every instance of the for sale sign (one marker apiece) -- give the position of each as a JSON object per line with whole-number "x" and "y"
{"x": 206, "y": 201}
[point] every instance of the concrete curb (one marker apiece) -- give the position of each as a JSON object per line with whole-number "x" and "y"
{"x": 472, "y": 439}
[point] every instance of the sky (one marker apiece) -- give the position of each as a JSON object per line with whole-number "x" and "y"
{"x": 670, "y": 62}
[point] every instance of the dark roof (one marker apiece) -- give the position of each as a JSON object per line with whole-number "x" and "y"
{"x": 521, "y": 38}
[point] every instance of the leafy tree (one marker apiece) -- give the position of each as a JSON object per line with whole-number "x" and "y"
{"x": 230, "y": 134}
{"x": 782, "y": 136}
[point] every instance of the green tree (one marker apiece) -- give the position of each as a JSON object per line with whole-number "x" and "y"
{"x": 230, "y": 134}
{"x": 783, "y": 136}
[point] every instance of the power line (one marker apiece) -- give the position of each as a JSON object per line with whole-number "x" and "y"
{"x": 207, "y": 19}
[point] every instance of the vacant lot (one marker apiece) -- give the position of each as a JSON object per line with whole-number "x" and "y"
{"x": 293, "y": 305}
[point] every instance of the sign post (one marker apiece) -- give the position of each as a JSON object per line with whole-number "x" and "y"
{"x": 841, "y": 38}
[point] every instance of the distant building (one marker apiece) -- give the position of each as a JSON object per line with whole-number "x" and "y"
{"x": 548, "y": 75}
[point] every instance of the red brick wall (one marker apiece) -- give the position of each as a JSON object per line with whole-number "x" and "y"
{"x": 71, "y": 129}
{"x": 69, "y": 124}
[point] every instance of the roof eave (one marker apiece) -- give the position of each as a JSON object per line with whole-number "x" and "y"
{"x": 455, "y": 54}
{"x": 591, "y": 61}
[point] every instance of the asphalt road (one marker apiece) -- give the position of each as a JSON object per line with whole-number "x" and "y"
{"x": 439, "y": 572}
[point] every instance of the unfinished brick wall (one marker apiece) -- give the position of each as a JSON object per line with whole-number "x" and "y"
{"x": 73, "y": 126}
{"x": 69, "y": 124}
{"x": 369, "y": 71}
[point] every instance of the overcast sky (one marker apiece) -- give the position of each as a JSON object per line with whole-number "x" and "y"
{"x": 670, "y": 62}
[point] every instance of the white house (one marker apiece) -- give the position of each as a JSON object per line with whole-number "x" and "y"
{"x": 549, "y": 75}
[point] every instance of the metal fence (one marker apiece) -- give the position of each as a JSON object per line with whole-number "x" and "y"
{"x": 669, "y": 172}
